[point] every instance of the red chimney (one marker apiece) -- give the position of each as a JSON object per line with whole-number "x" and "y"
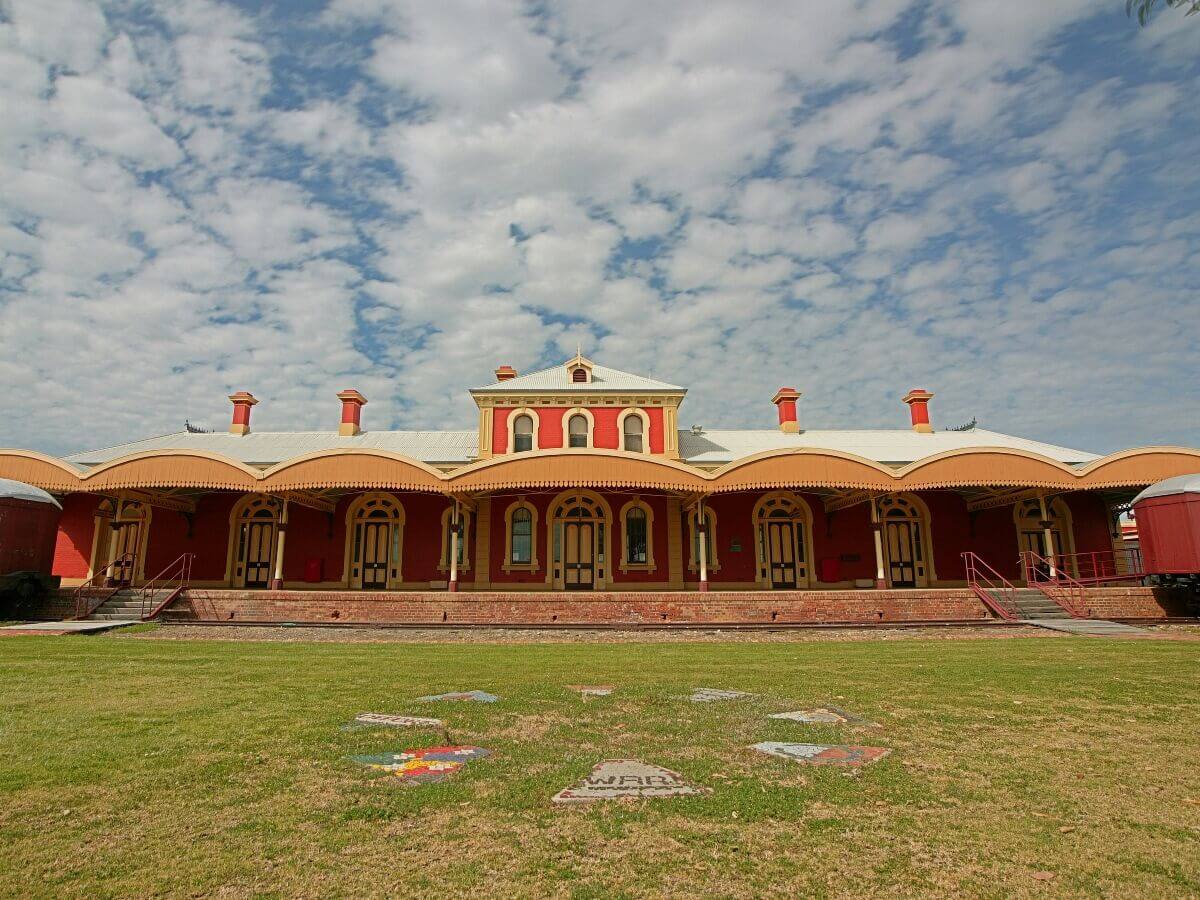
{"x": 785, "y": 399}
{"x": 506, "y": 373}
{"x": 352, "y": 404}
{"x": 918, "y": 405}
{"x": 242, "y": 401}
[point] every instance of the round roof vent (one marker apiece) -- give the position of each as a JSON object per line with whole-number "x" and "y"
{"x": 19, "y": 490}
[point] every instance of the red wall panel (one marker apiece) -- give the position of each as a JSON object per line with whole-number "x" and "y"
{"x": 73, "y": 549}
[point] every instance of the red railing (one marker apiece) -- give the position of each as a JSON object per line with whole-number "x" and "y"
{"x": 1053, "y": 580}
{"x": 85, "y": 606}
{"x": 996, "y": 591}
{"x": 1100, "y": 566}
{"x": 173, "y": 579}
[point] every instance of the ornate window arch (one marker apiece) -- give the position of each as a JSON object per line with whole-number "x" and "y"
{"x": 572, "y": 506}
{"x": 907, "y": 537}
{"x": 520, "y": 537}
{"x": 374, "y": 556}
{"x": 783, "y": 541}
{"x": 637, "y": 536}
{"x": 579, "y": 439}
{"x": 642, "y": 437}
{"x": 466, "y": 520}
{"x": 121, "y": 527}
{"x": 253, "y": 537}
{"x": 1027, "y": 515}
{"x": 535, "y": 426}
{"x": 711, "y": 558}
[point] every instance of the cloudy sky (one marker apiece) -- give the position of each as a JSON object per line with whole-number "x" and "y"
{"x": 996, "y": 201}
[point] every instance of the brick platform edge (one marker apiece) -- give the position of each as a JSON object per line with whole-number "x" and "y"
{"x": 624, "y": 608}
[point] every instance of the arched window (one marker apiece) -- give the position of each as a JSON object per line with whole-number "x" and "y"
{"x": 637, "y": 544}
{"x": 522, "y": 433}
{"x": 632, "y": 428}
{"x": 579, "y": 375}
{"x": 577, "y": 431}
{"x": 375, "y": 530}
{"x": 520, "y": 546}
{"x": 521, "y": 550}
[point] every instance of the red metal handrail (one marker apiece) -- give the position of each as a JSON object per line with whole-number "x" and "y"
{"x": 1099, "y": 566}
{"x": 168, "y": 577}
{"x": 83, "y": 608}
{"x": 1053, "y": 580}
{"x": 996, "y": 591}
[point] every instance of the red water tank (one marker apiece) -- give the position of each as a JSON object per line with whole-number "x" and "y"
{"x": 28, "y": 528}
{"x": 1168, "y": 521}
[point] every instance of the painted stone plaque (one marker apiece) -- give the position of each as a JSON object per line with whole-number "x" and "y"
{"x": 617, "y": 778}
{"x": 711, "y": 695}
{"x": 397, "y": 721}
{"x": 823, "y": 754}
{"x": 471, "y": 696}
{"x": 422, "y": 766}
{"x": 821, "y": 715}
{"x": 592, "y": 690}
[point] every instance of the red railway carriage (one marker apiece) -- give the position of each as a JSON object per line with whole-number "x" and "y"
{"x": 1168, "y": 518}
{"x": 28, "y": 531}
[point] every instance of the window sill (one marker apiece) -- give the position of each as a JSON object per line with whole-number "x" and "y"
{"x": 637, "y": 567}
{"x": 520, "y": 567}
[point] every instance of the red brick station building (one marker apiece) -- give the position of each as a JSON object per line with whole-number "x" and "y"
{"x": 579, "y": 479}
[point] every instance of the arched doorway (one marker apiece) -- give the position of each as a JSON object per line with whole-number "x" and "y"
{"x": 1031, "y": 529}
{"x": 579, "y": 536}
{"x": 783, "y": 536}
{"x": 122, "y": 534}
{"x": 907, "y": 549}
{"x": 254, "y": 532}
{"x": 375, "y": 536}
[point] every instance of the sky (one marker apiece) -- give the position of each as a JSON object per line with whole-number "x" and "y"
{"x": 997, "y": 202}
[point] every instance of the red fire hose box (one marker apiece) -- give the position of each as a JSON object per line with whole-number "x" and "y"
{"x": 314, "y": 570}
{"x": 830, "y": 569}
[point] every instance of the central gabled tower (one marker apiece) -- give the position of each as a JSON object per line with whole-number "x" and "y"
{"x": 578, "y": 405}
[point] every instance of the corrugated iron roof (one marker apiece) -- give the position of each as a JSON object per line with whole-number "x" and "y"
{"x": 558, "y": 378}
{"x": 882, "y": 445}
{"x": 1180, "y": 484}
{"x": 709, "y": 448}
{"x": 270, "y": 447}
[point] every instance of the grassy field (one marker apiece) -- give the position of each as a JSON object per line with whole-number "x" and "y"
{"x": 131, "y": 766}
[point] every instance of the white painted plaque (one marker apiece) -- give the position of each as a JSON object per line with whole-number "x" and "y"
{"x": 616, "y": 778}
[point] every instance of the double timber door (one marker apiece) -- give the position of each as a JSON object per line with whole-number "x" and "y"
{"x": 259, "y": 547}
{"x": 579, "y": 556}
{"x": 900, "y": 538}
{"x": 579, "y": 535}
{"x": 781, "y": 551}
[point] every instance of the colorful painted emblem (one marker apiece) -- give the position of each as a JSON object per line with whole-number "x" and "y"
{"x": 617, "y": 778}
{"x": 592, "y": 690}
{"x": 821, "y": 715}
{"x": 823, "y": 754}
{"x": 711, "y": 695}
{"x": 471, "y": 696}
{"x": 397, "y": 721}
{"x": 422, "y": 766}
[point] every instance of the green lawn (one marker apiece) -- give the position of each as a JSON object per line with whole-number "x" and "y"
{"x": 134, "y": 766}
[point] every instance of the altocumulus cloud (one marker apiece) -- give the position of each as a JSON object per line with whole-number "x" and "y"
{"x": 995, "y": 201}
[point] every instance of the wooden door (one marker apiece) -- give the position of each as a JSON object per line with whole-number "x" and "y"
{"x": 377, "y": 540}
{"x": 259, "y": 540}
{"x": 901, "y": 553}
{"x": 781, "y": 546}
{"x": 126, "y": 537}
{"x": 579, "y": 555}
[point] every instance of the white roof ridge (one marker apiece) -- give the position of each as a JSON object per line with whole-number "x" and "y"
{"x": 153, "y": 437}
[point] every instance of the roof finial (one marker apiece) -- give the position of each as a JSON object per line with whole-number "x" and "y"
{"x": 578, "y": 349}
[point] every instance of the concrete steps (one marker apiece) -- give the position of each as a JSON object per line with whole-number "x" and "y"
{"x": 1035, "y": 606}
